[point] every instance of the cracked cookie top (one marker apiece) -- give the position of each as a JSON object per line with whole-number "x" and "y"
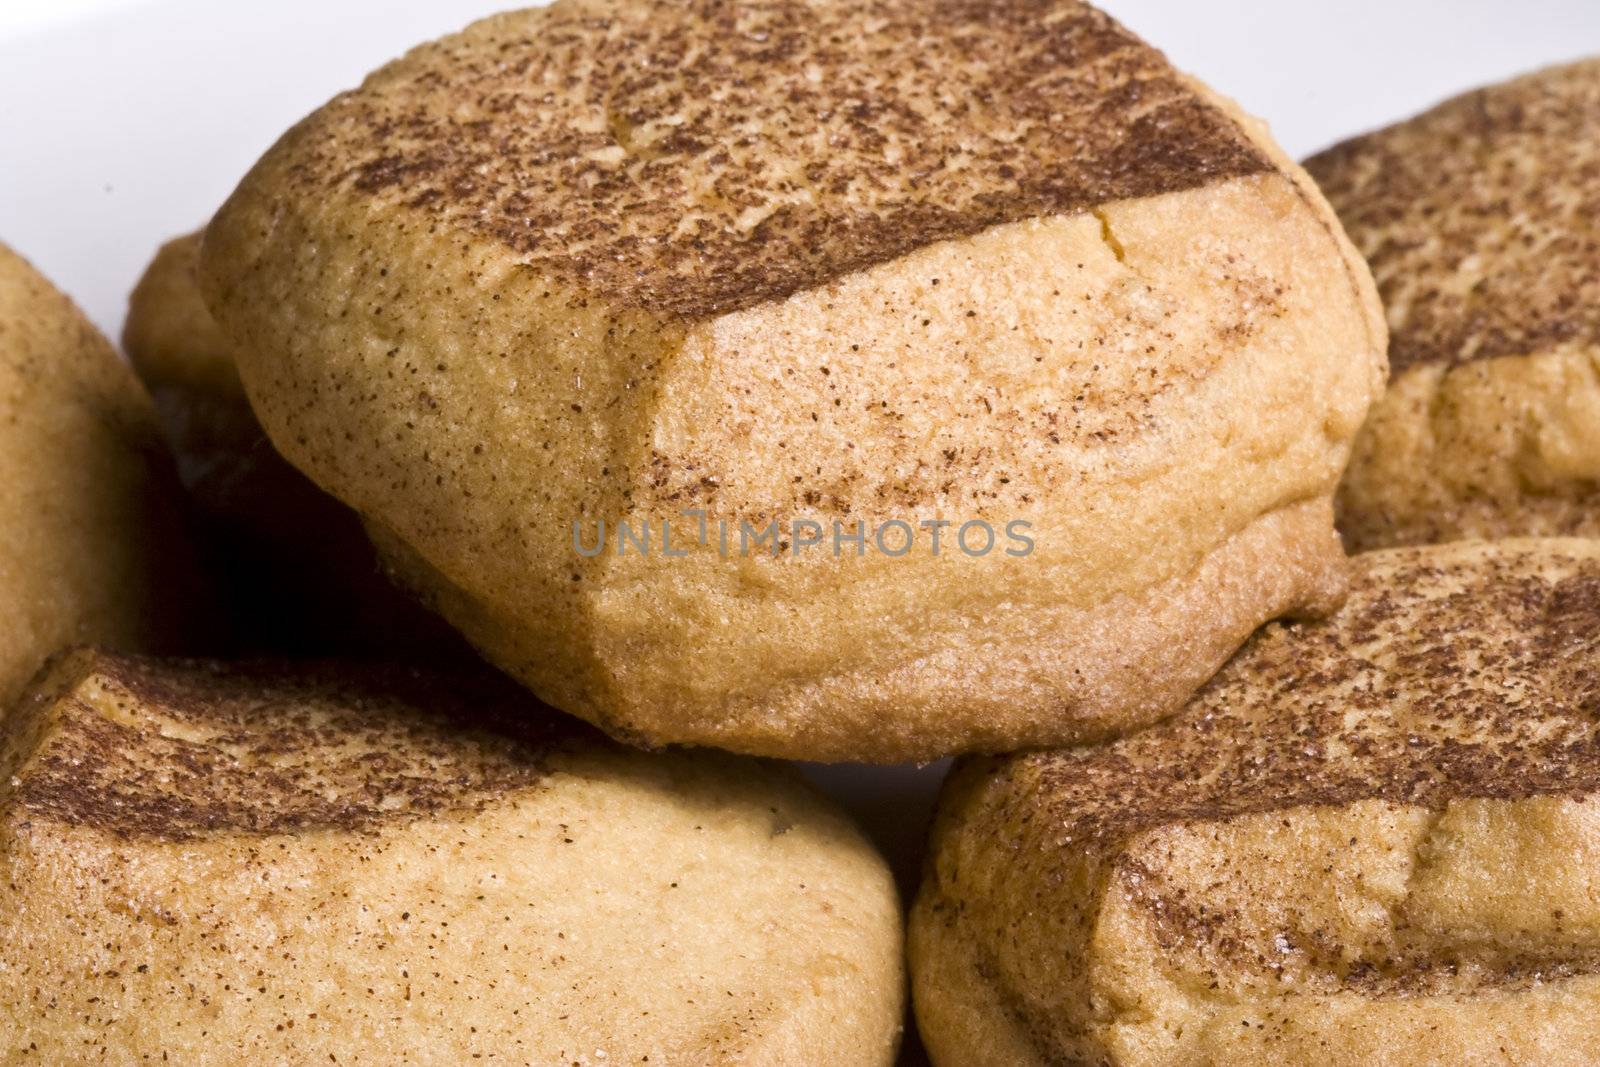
{"x": 699, "y": 157}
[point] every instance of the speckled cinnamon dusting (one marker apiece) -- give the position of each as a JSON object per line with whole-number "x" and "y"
{"x": 696, "y": 158}
{"x": 1368, "y": 839}
{"x": 1481, "y": 218}
{"x": 1436, "y": 681}
{"x": 173, "y": 750}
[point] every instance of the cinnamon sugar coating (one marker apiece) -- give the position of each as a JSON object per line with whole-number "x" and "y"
{"x": 1481, "y": 220}
{"x": 207, "y": 863}
{"x": 1366, "y": 839}
{"x": 944, "y": 262}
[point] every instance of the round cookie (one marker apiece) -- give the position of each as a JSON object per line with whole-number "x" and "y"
{"x": 1481, "y": 220}
{"x": 299, "y": 574}
{"x": 91, "y": 546}
{"x": 805, "y": 281}
{"x": 1370, "y": 839}
{"x": 211, "y": 865}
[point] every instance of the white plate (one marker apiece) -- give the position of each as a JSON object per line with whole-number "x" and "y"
{"x": 124, "y": 122}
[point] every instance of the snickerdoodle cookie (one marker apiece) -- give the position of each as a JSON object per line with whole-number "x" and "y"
{"x": 215, "y": 865}
{"x": 92, "y": 546}
{"x": 1481, "y": 219}
{"x": 805, "y": 281}
{"x": 1372, "y": 839}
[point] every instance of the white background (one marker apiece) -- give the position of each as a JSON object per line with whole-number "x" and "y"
{"x": 124, "y": 122}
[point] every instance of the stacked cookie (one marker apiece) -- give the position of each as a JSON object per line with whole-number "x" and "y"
{"x": 1369, "y": 838}
{"x": 832, "y": 382}
{"x": 770, "y": 277}
{"x": 1479, "y": 222}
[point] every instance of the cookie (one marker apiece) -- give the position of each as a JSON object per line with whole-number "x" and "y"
{"x": 210, "y": 864}
{"x": 1368, "y": 840}
{"x": 1481, "y": 219}
{"x": 92, "y": 543}
{"x": 836, "y": 381}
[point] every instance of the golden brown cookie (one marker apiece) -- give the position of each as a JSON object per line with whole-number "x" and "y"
{"x": 1368, "y": 840}
{"x": 1481, "y": 219}
{"x": 91, "y": 543}
{"x": 215, "y": 865}
{"x": 868, "y": 266}
{"x": 297, "y": 570}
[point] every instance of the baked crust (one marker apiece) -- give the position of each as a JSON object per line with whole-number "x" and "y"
{"x": 628, "y": 148}
{"x": 319, "y": 863}
{"x": 1366, "y": 839}
{"x": 91, "y": 542}
{"x": 1479, "y": 219}
{"x": 1144, "y": 362}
